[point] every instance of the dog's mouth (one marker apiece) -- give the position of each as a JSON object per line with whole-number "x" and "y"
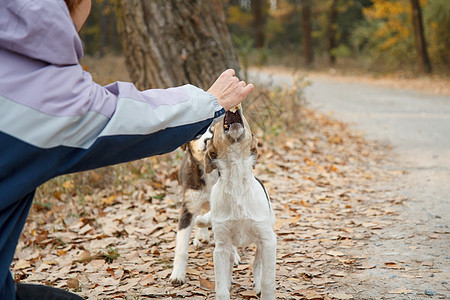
{"x": 232, "y": 118}
{"x": 233, "y": 124}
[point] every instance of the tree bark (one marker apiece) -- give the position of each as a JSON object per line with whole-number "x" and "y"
{"x": 421, "y": 46}
{"x": 173, "y": 42}
{"x": 331, "y": 32}
{"x": 103, "y": 28}
{"x": 306, "y": 32}
{"x": 258, "y": 22}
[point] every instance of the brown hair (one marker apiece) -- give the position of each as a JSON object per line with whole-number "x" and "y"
{"x": 72, "y": 4}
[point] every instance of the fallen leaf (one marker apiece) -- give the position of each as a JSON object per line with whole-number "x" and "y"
{"x": 366, "y": 265}
{"x": 393, "y": 265}
{"x": 130, "y": 283}
{"x": 321, "y": 281}
{"x": 341, "y": 296}
{"x": 111, "y": 200}
{"x": 248, "y": 294}
{"x": 73, "y": 283}
{"x": 335, "y": 253}
{"x": 22, "y": 264}
{"x": 147, "y": 280}
{"x": 68, "y": 185}
{"x": 85, "y": 229}
{"x": 339, "y": 274}
{"x": 400, "y": 290}
{"x": 206, "y": 284}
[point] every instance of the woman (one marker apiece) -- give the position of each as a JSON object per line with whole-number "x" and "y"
{"x": 55, "y": 120}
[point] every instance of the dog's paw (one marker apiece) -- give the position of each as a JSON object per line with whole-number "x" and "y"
{"x": 197, "y": 243}
{"x": 177, "y": 279}
{"x": 201, "y": 237}
{"x": 257, "y": 289}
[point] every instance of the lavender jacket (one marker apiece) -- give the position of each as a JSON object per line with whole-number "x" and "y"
{"x": 55, "y": 120}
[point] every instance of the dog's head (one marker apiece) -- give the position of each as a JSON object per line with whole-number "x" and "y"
{"x": 191, "y": 172}
{"x": 196, "y": 148}
{"x": 231, "y": 138}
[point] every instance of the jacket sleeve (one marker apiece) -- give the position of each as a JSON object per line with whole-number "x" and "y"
{"x": 63, "y": 122}
{"x": 145, "y": 123}
{"x": 142, "y": 124}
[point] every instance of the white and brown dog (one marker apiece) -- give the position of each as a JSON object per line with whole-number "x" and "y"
{"x": 241, "y": 213}
{"x": 196, "y": 186}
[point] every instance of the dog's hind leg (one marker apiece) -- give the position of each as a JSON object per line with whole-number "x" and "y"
{"x": 268, "y": 266}
{"x": 257, "y": 271}
{"x": 181, "y": 250}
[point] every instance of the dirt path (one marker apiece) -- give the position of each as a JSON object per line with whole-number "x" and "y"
{"x": 411, "y": 256}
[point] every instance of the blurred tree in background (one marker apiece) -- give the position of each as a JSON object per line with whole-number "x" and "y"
{"x": 421, "y": 45}
{"x": 325, "y": 32}
{"x": 306, "y": 30}
{"x": 99, "y": 33}
{"x": 437, "y": 31}
{"x": 173, "y": 42}
{"x": 375, "y": 35}
{"x": 392, "y": 34}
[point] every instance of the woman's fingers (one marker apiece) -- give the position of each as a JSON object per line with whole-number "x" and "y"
{"x": 229, "y": 90}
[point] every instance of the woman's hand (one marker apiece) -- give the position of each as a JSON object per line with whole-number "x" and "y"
{"x": 229, "y": 91}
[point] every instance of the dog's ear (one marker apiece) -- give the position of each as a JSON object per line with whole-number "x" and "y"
{"x": 254, "y": 147}
{"x": 210, "y": 155}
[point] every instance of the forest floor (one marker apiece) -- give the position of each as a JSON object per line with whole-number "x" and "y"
{"x": 110, "y": 233}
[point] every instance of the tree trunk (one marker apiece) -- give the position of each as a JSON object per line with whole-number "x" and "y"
{"x": 421, "y": 46}
{"x": 173, "y": 42}
{"x": 306, "y": 32}
{"x": 331, "y": 31}
{"x": 103, "y": 28}
{"x": 258, "y": 22}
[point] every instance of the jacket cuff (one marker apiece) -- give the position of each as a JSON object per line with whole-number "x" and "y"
{"x": 217, "y": 106}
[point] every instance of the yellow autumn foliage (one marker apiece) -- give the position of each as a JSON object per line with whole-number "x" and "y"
{"x": 396, "y": 15}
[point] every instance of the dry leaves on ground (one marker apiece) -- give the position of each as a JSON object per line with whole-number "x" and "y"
{"x": 118, "y": 242}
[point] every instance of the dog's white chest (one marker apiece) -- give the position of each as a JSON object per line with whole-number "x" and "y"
{"x": 241, "y": 233}
{"x": 245, "y": 200}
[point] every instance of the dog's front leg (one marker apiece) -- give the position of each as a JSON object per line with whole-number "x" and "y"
{"x": 223, "y": 263}
{"x": 185, "y": 224}
{"x": 268, "y": 261}
{"x": 257, "y": 270}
